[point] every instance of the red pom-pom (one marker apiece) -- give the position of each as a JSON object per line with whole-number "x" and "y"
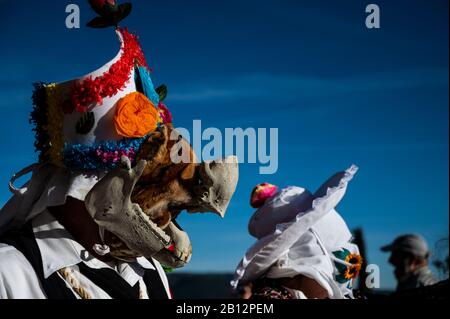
{"x": 261, "y": 193}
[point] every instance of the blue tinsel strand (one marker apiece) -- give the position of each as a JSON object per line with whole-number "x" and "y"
{"x": 79, "y": 156}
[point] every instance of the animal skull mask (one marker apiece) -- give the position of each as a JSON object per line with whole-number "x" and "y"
{"x": 137, "y": 206}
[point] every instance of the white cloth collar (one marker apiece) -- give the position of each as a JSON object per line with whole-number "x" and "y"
{"x": 49, "y": 186}
{"x": 58, "y": 250}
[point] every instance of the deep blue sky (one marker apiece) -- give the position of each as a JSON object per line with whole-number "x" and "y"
{"x": 338, "y": 92}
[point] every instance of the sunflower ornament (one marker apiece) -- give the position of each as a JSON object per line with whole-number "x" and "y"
{"x": 350, "y": 269}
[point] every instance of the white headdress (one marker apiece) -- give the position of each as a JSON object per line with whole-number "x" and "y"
{"x": 301, "y": 233}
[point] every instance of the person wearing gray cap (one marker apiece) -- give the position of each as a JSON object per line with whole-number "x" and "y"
{"x": 409, "y": 256}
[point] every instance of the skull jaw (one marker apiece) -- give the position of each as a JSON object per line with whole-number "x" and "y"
{"x": 134, "y": 233}
{"x": 175, "y": 256}
{"x": 110, "y": 206}
{"x": 180, "y": 253}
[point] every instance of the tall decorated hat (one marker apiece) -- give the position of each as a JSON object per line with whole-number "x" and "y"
{"x": 88, "y": 123}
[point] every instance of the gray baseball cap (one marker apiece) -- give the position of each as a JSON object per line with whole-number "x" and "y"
{"x": 411, "y": 243}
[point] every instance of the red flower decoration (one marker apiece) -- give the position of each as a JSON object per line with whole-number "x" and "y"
{"x": 93, "y": 91}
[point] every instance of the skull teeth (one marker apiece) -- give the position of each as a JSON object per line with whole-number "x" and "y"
{"x": 157, "y": 231}
{"x": 182, "y": 256}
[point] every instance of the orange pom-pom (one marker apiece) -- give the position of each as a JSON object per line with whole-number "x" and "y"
{"x": 136, "y": 116}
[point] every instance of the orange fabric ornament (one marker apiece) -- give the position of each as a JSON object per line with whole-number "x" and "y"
{"x": 136, "y": 116}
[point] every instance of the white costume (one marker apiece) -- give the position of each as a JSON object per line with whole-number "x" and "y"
{"x": 301, "y": 233}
